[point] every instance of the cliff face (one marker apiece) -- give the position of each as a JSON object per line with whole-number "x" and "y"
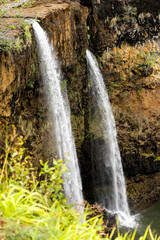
{"x": 124, "y": 35}
{"x": 66, "y": 27}
{"x": 122, "y": 20}
{"x": 133, "y": 81}
{"x": 127, "y": 46}
{"x": 23, "y": 101}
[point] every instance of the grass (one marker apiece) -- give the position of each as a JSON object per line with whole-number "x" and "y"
{"x": 29, "y": 211}
{"x": 33, "y": 205}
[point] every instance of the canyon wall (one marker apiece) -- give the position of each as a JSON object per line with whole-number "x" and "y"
{"x": 23, "y": 101}
{"x": 127, "y": 46}
{"x": 124, "y": 35}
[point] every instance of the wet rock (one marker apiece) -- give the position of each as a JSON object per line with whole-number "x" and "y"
{"x": 137, "y": 180}
{"x": 143, "y": 192}
{"x": 108, "y": 218}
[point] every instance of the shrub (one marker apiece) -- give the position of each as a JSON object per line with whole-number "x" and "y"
{"x": 33, "y": 206}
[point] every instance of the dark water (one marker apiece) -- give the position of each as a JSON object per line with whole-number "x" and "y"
{"x": 150, "y": 215}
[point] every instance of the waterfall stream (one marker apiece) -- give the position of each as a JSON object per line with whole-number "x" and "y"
{"x": 60, "y": 111}
{"x": 109, "y": 182}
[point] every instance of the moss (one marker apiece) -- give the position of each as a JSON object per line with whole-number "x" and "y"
{"x": 148, "y": 155}
{"x": 157, "y": 159}
{"x": 27, "y": 33}
{"x": 6, "y": 45}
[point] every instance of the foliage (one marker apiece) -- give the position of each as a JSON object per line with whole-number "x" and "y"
{"x": 12, "y": 27}
{"x": 28, "y": 217}
{"x": 27, "y": 4}
{"x": 30, "y": 213}
{"x": 30, "y": 84}
{"x": 27, "y": 34}
{"x": 33, "y": 206}
{"x": 130, "y": 10}
{"x": 148, "y": 62}
{"x": 18, "y": 44}
{"x": 51, "y": 185}
{"x": 21, "y": 41}
{"x": 4, "y": 1}
{"x": 18, "y": 170}
{"x": 5, "y": 45}
{"x": 157, "y": 159}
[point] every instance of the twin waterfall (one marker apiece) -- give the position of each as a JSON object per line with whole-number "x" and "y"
{"x": 106, "y": 160}
{"x": 60, "y": 111}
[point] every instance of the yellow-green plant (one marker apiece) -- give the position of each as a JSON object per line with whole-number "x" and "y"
{"x": 33, "y": 207}
{"x": 18, "y": 169}
{"x": 51, "y": 185}
{"x": 28, "y": 211}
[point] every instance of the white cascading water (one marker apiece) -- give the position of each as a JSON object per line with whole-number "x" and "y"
{"x": 106, "y": 159}
{"x": 60, "y": 111}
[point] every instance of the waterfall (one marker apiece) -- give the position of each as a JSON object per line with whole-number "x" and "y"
{"x": 60, "y": 112}
{"x": 109, "y": 182}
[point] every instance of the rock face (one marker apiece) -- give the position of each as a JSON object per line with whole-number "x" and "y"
{"x": 143, "y": 190}
{"x": 127, "y": 46}
{"x": 124, "y": 35}
{"x": 21, "y": 89}
{"x": 122, "y": 20}
{"x": 134, "y": 86}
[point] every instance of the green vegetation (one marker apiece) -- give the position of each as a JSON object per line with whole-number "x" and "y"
{"x": 5, "y": 45}
{"x": 18, "y": 44}
{"x": 4, "y": 1}
{"x": 30, "y": 84}
{"x": 63, "y": 84}
{"x": 148, "y": 61}
{"x": 17, "y": 15}
{"x": 22, "y": 41}
{"x": 157, "y": 159}
{"x": 27, "y": 33}
{"x": 32, "y": 203}
{"x": 28, "y": 4}
{"x": 148, "y": 155}
{"x": 12, "y": 27}
{"x": 130, "y": 10}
